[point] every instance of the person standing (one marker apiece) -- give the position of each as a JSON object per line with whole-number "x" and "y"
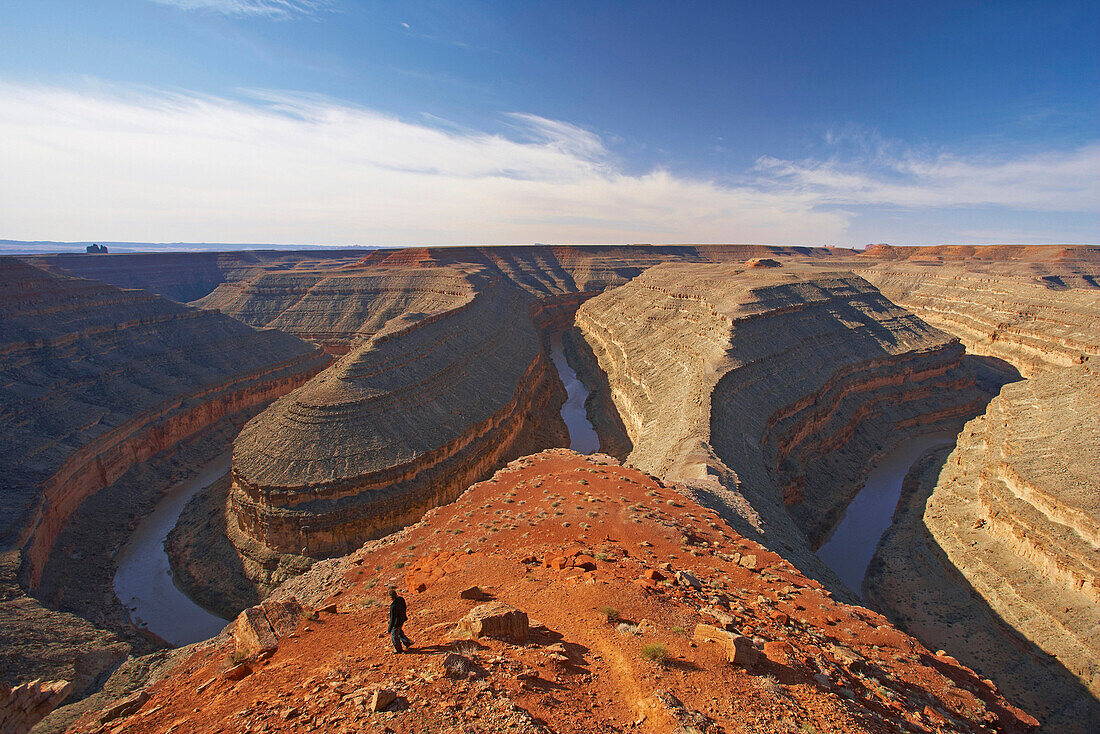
{"x": 398, "y": 616}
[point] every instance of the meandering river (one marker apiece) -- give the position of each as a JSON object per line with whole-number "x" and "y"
{"x": 145, "y": 585}
{"x": 143, "y": 580}
{"x": 582, "y": 436}
{"x": 852, "y": 546}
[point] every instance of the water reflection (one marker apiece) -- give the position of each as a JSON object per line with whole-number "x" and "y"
{"x": 582, "y": 436}
{"x": 143, "y": 581}
{"x": 852, "y": 546}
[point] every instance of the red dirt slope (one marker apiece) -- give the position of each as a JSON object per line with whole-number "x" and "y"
{"x": 572, "y": 541}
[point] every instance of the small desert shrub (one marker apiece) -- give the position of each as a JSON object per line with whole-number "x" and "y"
{"x": 656, "y": 652}
{"x": 400, "y": 564}
{"x": 770, "y": 685}
{"x": 610, "y": 612}
{"x": 678, "y": 630}
{"x": 603, "y": 557}
{"x": 466, "y": 647}
{"x": 627, "y": 628}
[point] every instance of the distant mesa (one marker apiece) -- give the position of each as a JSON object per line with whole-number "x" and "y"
{"x": 96, "y": 249}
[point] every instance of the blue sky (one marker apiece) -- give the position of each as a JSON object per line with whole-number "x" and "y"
{"x": 346, "y": 122}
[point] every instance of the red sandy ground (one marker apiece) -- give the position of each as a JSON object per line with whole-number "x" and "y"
{"x": 506, "y": 535}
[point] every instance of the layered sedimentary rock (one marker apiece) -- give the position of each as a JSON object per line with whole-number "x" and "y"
{"x": 186, "y": 276}
{"x": 335, "y": 307}
{"x": 402, "y": 423}
{"x": 780, "y": 382}
{"x": 1035, "y": 315}
{"x": 996, "y": 556}
{"x": 310, "y": 296}
{"x": 97, "y": 379}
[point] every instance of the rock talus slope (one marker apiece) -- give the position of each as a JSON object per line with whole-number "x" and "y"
{"x": 779, "y": 382}
{"x": 565, "y": 594}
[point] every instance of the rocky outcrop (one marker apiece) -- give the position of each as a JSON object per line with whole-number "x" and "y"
{"x": 25, "y": 705}
{"x": 802, "y": 659}
{"x": 97, "y": 379}
{"x": 996, "y": 555}
{"x": 402, "y": 423}
{"x": 780, "y": 382}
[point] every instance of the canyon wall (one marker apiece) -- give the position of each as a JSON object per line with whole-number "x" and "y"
{"x": 995, "y": 553}
{"x": 774, "y": 383}
{"x": 1035, "y": 317}
{"x": 402, "y": 423}
{"x": 97, "y": 379}
{"x": 186, "y": 276}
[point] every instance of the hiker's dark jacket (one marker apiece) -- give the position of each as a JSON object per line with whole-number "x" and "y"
{"x": 397, "y": 613}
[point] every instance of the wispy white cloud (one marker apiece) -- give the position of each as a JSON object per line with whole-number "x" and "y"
{"x": 127, "y": 165}
{"x": 124, "y": 165}
{"x": 1052, "y": 181}
{"x": 269, "y": 8}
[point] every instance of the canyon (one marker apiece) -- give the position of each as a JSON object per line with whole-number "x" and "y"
{"x": 98, "y": 381}
{"x": 993, "y": 551}
{"x": 371, "y": 397}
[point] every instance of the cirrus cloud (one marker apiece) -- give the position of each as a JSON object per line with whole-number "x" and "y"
{"x": 271, "y": 8}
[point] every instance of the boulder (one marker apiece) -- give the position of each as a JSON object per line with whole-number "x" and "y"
{"x": 738, "y": 648}
{"x": 495, "y": 619}
{"x": 237, "y": 672}
{"x": 283, "y": 616}
{"x": 724, "y": 619}
{"x": 588, "y": 563}
{"x": 380, "y": 699}
{"x": 687, "y": 578}
{"x": 252, "y": 634}
{"x": 123, "y": 707}
{"x": 779, "y": 652}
